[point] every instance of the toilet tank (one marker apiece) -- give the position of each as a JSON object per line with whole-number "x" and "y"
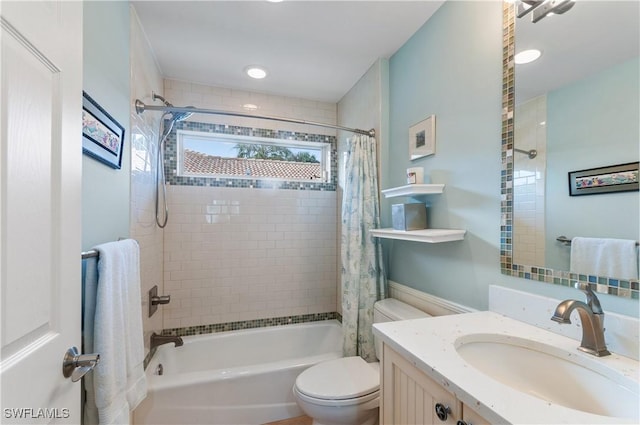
{"x": 391, "y": 310}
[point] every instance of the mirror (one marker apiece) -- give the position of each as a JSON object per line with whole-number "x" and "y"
{"x": 574, "y": 108}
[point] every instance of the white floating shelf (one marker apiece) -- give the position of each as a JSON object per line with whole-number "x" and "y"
{"x": 426, "y": 235}
{"x": 413, "y": 189}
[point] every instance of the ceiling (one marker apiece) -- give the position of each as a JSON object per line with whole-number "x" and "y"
{"x": 590, "y": 37}
{"x": 312, "y": 49}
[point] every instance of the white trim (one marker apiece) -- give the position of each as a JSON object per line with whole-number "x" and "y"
{"x": 428, "y": 303}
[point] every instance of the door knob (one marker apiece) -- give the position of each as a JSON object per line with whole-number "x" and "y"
{"x": 76, "y": 365}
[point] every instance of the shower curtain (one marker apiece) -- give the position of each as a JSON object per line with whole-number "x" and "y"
{"x": 363, "y": 278}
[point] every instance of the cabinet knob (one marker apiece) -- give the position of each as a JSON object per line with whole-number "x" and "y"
{"x": 442, "y": 411}
{"x": 463, "y": 423}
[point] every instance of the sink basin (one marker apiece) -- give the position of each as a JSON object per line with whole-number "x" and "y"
{"x": 552, "y": 374}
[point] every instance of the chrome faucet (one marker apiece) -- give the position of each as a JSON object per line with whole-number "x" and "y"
{"x": 157, "y": 340}
{"x": 592, "y": 318}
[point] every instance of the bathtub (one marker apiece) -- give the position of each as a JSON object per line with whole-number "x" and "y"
{"x": 236, "y": 377}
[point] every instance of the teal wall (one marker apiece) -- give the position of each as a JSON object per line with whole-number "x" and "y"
{"x": 105, "y": 191}
{"x": 452, "y": 67}
{"x": 605, "y": 108}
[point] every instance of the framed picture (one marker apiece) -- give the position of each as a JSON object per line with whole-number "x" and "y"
{"x": 422, "y": 138}
{"x": 616, "y": 178}
{"x": 102, "y": 136}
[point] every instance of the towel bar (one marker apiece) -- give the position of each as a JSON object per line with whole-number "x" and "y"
{"x": 565, "y": 240}
{"x": 93, "y": 253}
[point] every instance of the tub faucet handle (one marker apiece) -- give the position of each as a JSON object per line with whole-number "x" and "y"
{"x": 161, "y": 299}
{"x": 155, "y": 300}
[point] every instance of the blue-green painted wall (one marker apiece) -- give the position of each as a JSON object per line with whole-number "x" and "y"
{"x": 105, "y": 191}
{"x": 452, "y": 67}
{"x": 591, "y": 123}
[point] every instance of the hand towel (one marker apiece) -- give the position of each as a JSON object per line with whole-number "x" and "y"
{"x": 119, "y": 379}
{"x": 604, "y": 257}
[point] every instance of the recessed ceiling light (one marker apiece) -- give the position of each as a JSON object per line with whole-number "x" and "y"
{"x": 274, "y": 1}
{"x": 527, "y": 56}
{"x": 250, "y": 107}
{"x": 256, "y": 72}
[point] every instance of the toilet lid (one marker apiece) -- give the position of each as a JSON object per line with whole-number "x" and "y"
{"x": 340, "y": 379}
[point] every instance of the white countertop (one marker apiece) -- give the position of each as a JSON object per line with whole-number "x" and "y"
{"x": 430, "y": 344}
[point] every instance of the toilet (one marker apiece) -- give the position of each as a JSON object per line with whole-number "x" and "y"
{"x": 346, "y": 391}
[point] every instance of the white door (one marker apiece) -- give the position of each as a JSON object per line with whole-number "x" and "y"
{"x": 40, "y": 180}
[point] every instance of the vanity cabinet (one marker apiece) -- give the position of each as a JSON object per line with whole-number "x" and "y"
{"x": 409, "y": 396}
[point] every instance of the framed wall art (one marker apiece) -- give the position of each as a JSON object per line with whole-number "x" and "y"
{"x": 422, "y": 138}
{"x": 102, "y": 136}
{"x": 615, "y": 178}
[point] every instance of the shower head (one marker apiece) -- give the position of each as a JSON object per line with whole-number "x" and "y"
{"x": 181, "y": 116}
{"x": 175, "y": 116}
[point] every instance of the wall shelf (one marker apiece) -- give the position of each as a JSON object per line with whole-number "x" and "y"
{"x": 426, "y": 235}
{"x": 413, "y": 190}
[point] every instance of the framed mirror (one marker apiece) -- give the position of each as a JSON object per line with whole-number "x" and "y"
{"x": 573, "y": 109}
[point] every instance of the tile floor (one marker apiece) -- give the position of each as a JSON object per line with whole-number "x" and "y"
{"x": 300, "y": 420}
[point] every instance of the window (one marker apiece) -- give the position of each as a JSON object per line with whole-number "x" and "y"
{"x": 222, "y": 155}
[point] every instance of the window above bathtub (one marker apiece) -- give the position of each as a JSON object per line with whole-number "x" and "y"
{"x": 202, "y": 154}
{"x": 226, "y": 155}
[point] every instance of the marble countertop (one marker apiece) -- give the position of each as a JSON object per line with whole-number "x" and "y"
{"x": 430, "y": 344}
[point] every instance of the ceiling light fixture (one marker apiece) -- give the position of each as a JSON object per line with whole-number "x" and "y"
{"x": 527, "y": 56}
{"x": 542, "y": 8}
{"x": 256, "y": 72}
{"x": 250, "y": 107}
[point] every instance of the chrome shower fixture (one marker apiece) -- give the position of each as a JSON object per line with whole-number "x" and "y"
{"x": 542, "y": 8}
{"x": 177, "y": 116}
{"x": 530, "y": 153}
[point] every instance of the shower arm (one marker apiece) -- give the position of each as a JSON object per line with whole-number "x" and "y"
{"x": 141, "y": 107}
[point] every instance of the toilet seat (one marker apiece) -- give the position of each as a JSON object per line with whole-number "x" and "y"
{"x": 370, "y": 400}
{"x": 343, "y": 379}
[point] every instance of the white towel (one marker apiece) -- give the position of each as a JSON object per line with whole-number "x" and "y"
{"x": 119, "y": 379}
{"x": 604, "y": 257}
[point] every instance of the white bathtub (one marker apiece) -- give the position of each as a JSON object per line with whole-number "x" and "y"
{"x": 237, "y": 377}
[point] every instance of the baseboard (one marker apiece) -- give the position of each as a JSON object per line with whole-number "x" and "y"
{"x": 428, "y": 303}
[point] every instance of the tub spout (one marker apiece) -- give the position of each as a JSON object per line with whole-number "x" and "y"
{"x": 157, "y": 340}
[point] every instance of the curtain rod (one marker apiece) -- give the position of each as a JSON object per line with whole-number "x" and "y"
{"x": 141, "y": 107}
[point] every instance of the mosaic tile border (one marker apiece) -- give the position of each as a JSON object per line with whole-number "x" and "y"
{"x": 171, "y": 158}
{"x": 251, "y": 324}
{"x": 246, "y": 324}
{"x": 604, "y": 285}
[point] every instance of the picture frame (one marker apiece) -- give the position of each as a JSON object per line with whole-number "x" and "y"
{"x": 422, "y": 138}
{"x": 594, "y": 181}
{"x": 102, "y": 135}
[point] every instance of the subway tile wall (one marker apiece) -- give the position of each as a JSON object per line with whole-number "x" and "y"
{"x": 145, "y": 78}
{"x": 529, "y": 182}
{"x": 181, "y": 93}
{"x": 234, "y": 254}
{"x": 239, "y": 254}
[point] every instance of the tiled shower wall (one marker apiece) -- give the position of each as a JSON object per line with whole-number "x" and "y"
{"x": 235, "y": 254}
{"x": 145, "y": 79}
{"x": 529, "y": 182}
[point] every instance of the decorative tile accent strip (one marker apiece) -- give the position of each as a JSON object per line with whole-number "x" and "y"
{"x": 250, "y": 324}
{"x": 600, "y": 284}
{"x": 171, "y": 158}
